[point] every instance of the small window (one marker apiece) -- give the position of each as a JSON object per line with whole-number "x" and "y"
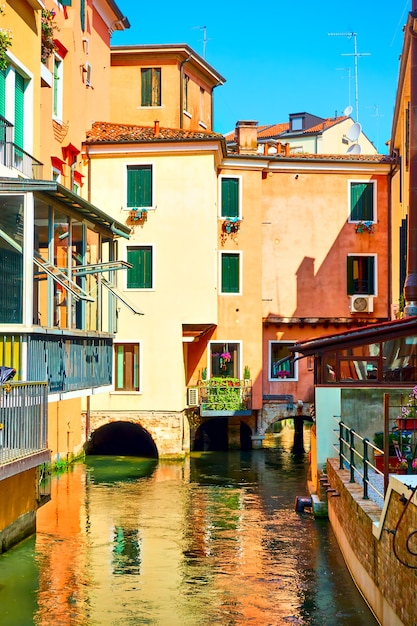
{"x": 296, "y": 123}
{"x": 140, "y": 276}
{"x": 361, "y": 275}
{"x": 362, "y": 202}
{"x": 185, "y": 93}
{"x": 281, "y": 363}
{"x": 139, "y": 186}
{"x": 225, "y": 359}
{"x": 151, "y": 87}
{"x": 230, "y": 272}
{"x": 58, "y": 84}
{"x": 127, "y": 367}
{"x": 230, "y": 197}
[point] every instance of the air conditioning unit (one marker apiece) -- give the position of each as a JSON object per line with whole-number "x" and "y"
{"x": 192, "y": 396}
{"x": 361, "y": 304}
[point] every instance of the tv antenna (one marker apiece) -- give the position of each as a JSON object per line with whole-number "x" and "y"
{"x": 355, "y": 55}
{"x": 349, "y": 71}
{"x": 377, "y": 115}
{"x": 204, "y": 29}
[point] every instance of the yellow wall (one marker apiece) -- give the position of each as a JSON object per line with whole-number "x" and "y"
{"x": 64, "y": 428}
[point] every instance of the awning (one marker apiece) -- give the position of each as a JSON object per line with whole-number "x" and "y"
{"x": 193, "y": 332}
{"x": 71, "y": 200}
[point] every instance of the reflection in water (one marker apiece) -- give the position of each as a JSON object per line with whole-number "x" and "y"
{"x": 214, "y": 540}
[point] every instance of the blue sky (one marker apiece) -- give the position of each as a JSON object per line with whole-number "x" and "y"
{"x": 280, "y": 59}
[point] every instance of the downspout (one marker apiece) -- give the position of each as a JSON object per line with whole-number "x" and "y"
{"x": 182, "y": 90}
{"x": 393, "y": 170}
{"x": 410, "y": 286}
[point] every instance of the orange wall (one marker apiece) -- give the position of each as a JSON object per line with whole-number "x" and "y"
{"x": 17, "y": 496}
{"x": 64, "y": 428}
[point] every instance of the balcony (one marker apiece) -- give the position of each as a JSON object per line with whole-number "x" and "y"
{"x": 23, "y": 427}
{"x": 14, "y": 157}
{"x": 224, "y": 397}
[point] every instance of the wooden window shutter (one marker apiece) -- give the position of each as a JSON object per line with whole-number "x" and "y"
{"x": 139, "y": 186}
{"x": 230, "y": 273}
{"x": 370, "y": 260}
{"x": 140, "y": 275}
{"x": 19, "y": 110}
{"x": 146, "y": 100}
{"x": 362, "y": 202}
{"x": 230, "y": 197}
{"x": 350, "y": 285}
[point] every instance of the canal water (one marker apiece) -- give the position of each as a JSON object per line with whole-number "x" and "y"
{"x": 211, "y": 541}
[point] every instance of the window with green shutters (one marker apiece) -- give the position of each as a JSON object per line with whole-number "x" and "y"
{"x": 139, "y": 186}
{"x": 151, "y": 87}
{"x": 127, "y": 367}
{"x": 362, "y": 202}
{"x": 230, "y": 197}
{"x": 230, "y": 274}
{"x": 140, "y": 275}
{"x": 361, "y": 275}
{"x": 19, "y": 108}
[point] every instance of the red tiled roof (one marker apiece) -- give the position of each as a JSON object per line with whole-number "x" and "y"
{"x": 106, "y": 132}
{"x": 272, "y": 130}
{"x": 268, "y": 131}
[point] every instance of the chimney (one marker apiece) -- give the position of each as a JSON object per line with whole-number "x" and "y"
{"x": 246, "y": 137}
{"x": 410, "y": 286}
{"x": 156, "y": 128}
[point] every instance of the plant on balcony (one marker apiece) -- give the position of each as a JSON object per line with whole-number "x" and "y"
{"x": 223, "y": 394}
{"x": 5, "y": 43}
{"x": 138, "y": 215}
{"x": 407, "y": 420}
{"x": 361, "y": 227}
{"x": 49, "y": 26}
{"x": 230, "y": 226}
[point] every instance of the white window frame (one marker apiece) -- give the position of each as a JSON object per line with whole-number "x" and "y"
{"x": 144, "y": 163}
{"x": 238, "y": 343}
{"x": 127, "y": 391}
{"x": 219, "y": 201}
{"x": 295, "y": 364}
{"x": 140, "y": 244}
{"x": 374, "y": 199}
{"x": 367, "y": 254}
{"x": 58, "y": 116}
{"x": 228, "y": 252}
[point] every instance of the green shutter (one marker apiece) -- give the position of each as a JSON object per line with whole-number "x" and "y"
{"x": 403, "y": 252}
{"x": 56, "y": 86}
{"x": 140, "y": 275}
{"x": 146, "y": 100}
{"x": 230, "y": 197}
{"x": 371, "y": 274}
{"x": 82, "y": 14}
{"x": 2, "y": 93}
{"x": 350, "y": 286}
{"x": 19, "y": 110}
{"x": 362, "y": 202}
{"x": 139, "y": 186}
{"x": 230, "y": 273}
{"x": 65, "y": 3}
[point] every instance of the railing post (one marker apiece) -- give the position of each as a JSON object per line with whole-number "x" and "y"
{"x": 352, "y": 454}
{"x": 341, "y": 450}
{"x": 365, "y": 469}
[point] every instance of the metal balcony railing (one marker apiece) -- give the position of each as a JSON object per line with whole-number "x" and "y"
{"x": 23, "y": 420}
{"x": 14, "y": 157}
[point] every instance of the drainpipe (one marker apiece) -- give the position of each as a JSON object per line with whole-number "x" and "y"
{"x": 410, "y": 286}
{"x": 182, "y": 90}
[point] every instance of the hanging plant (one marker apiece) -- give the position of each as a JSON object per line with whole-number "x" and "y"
{"x": 360, "y": 227}
{"x": 49, "y": 26}
{"x": 5, "y": 44}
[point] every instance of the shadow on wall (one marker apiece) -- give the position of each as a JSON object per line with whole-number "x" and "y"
{"x": 122, "y": 439}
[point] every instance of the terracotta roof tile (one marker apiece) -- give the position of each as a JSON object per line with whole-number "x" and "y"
{"x": 106, "y": 132}
{"x": 269, "y": 131}
{"x": 272, "y": 130}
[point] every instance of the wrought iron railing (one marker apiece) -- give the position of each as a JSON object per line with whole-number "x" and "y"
{"x": 225, "y": 394}
{"x": 13, "y": 156}
{"x": 23, "y": 420}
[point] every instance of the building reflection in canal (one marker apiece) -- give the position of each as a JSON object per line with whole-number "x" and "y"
{"x": 213, "y": 540}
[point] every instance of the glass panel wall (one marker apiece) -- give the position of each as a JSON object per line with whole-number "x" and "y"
{"x": 11, "y": 258}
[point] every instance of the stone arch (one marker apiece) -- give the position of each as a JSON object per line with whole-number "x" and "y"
{"x": 122, "y": 438}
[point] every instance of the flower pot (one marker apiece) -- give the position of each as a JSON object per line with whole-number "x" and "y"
{"x": 394, "y": 465}
{"x": 407, "y": 424}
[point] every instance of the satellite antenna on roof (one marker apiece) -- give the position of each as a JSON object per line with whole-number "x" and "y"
{"x": 347, "y": 111}
{"x": 354, "y": 149}
{"x": 354, "y": 132}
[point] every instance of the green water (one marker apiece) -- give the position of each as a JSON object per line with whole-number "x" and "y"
{"x": 211, "y": 541}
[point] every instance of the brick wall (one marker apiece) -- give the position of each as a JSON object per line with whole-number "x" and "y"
{"x": 388, "y": 585}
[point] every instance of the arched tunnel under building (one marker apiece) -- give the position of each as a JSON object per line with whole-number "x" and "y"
{"x": 122, "y": 439}
{"x": 212, "y": 436}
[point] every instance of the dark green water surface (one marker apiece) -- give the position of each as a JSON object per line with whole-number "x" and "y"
{"x": 211, "y": 541}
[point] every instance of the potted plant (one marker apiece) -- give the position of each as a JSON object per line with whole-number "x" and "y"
{"x": 5, "y": 43}
{"x": 407, "y": 420}
{"x": 399, "y": 452}
{"x": 49, "y": 26}
{"x": 246, "y": 373}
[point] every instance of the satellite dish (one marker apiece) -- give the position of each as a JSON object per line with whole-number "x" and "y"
{"x": 347, "y": 111}
{"x": 354, "y": 149}
{"x": 354, "y": 132}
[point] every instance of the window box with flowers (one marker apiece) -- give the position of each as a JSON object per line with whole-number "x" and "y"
{"x": 49, "y": 26}
{"x": 362, "y": 227}
{"x": 138, "y": 215}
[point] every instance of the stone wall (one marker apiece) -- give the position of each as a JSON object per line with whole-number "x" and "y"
{"x": 366, "y": 537}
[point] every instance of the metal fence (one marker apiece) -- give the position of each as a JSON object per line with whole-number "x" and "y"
{"x": 23, "y": 420}
{"x": 357, "y": 454}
